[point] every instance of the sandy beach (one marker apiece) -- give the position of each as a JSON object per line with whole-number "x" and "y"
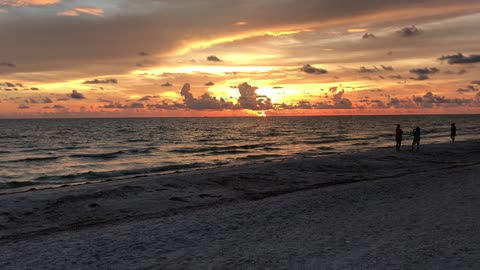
{"x": 379, "y": 209}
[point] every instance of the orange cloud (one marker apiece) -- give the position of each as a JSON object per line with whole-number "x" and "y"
{"x": 240, "y": 23}
{"x": 357, "y": 30}
{"x": 76, "y": 11}
{"x": 69, "y": 13}
{"x": 90, "y": 10}
{"x": 226, "y": 39}
{"x": 26, "y": 3}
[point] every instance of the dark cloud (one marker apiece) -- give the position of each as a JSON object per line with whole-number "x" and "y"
{"x": 337, "y": 101}
{"x": 312, "y": 70}
{"x": 204, "y": 102}
{"x": 422, "y": 73}
{"x": 213, "y": 58}
{"x": 23, "y": 107}
{"x": 277, "y": 87}
{"x": 341, "y": 103}
{"x": 133, "y": 105}
{"x": 467, "y": 89}
{"x": 368, "y": 36}
{"x": 164, "y": 105}
{"x": 58, "y": 107}
{"x": 146, "y": 98}
{"x": 46, "y": 100}
{"x": 429, "y": 100}
{"x": 31, "y": 101}
{"x": 143, "y": 54}
{"x": 420, "y": 78}
{"x": 387, "y": 68}
{"x": 113, "y": 106}
{"x": 459, "y": 58}
{"x": 250, "y": 100}
{"x": 167, "y": 84}
{"x": 460, "y": 72}
{"x": 136, "y": 105}
{"x": 209, "y": 84}
{"x": 104, "y": 100}
{"x": 366, "y": 70}
{"x": 34, "y": 89}
{"x": 401, "y": 103}
{"x": 101, "y": 81}
{"x": 7, "y": 64}
{"x": 9, "y": 84}
{"x": 396, "y": 77}
{"x": 409, "y": 31}
{"x": 475, "y": 82}
{"x": 76, "y": 95}
{"x": 302, "y": 105}
{"x": 379, "y": 104}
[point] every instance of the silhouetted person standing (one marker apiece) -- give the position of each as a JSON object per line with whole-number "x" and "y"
{"x": 416, "y": 138}
{"x": 453, "y": 132}
{"x": 398, "y": 137}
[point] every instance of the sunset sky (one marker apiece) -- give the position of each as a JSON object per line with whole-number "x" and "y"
{"x": 154, "y": 58}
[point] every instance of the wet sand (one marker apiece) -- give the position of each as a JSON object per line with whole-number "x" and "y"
{"x": 380, "y": 209}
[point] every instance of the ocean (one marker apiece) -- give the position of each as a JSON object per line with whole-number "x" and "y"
{"x": 39, "y": 153}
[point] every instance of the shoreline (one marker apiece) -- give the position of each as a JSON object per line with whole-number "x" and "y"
{"x": 43, "y": 214}
{"x": 33, "y": 186}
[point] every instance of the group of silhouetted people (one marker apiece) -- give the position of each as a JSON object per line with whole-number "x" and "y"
{"x": 416, "y": 136}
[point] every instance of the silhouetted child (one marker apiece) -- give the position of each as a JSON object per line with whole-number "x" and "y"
{"x": 416, "y": 138}
{"x": 398, "y": 137}
{"x": 453, "y": 132}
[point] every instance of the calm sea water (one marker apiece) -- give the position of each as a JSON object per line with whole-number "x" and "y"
{"x": 50, "y": 152}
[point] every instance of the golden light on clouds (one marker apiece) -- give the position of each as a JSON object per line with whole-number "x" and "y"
{"x": 87, "y": 10}
{"x": 357, "y": 30}
{"x": 202, "y": 69}
{"x": 203, "y": 44}
{"x": 309, "y": 64}
{"x": 25, "y": 3}
{"x": 70, "y": 13}
{"x": 90, "y": 10}
{"x": 241, "y": 23}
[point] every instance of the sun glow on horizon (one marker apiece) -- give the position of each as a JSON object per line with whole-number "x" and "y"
{"x": 363, "y": 59}
{"x": 202, "y": 69}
